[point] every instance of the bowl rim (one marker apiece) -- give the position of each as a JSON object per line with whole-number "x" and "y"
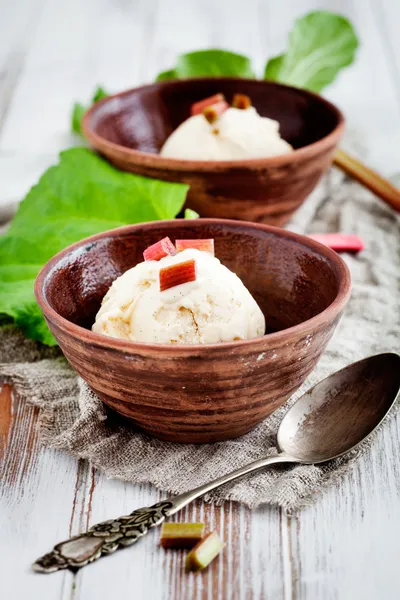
{"x": 179, "y": 350}
{"x": 150, "y": 159}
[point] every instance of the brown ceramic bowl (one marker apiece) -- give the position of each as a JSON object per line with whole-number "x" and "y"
{"x": 130, "y": 128}
{"x": 194, "y": 393}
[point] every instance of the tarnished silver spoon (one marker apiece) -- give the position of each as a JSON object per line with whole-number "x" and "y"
{"x": 330, "y": 419}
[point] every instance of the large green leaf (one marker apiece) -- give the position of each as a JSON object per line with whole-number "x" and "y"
{"x": 165, "y": 75}
{"x": 320, "y": 45}
{"x": 209, "y": 63}
{"x": 81, "y": 196}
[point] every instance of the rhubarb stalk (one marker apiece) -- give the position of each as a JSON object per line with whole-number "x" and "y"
{"x": 206, "y": 245}
{"x": 340, "y": 242}
{"x": 198, "y": 107}
{"x": 368, "y": 178}
{"x": 204, "y": 552}
{"x": 177, "y": 274}
{"x": 181, "y": 535}
{"x": 160, "y": 249}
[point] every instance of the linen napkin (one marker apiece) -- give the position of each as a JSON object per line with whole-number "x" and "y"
{"x": 73, "y": 419}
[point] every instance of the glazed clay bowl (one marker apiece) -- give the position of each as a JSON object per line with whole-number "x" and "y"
{"x": 130, "y": 128}
{"x": 195, "y": 393}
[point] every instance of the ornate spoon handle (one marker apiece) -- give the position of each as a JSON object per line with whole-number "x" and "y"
{"x": 103, "y": 538}
{"x": 107, "y": 537}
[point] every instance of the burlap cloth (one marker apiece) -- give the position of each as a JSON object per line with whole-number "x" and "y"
{"x": 75, "y": 420}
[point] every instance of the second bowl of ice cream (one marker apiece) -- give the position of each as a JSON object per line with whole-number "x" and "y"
{"x": 208, "y": 370}
{"x": 259, "y": 168}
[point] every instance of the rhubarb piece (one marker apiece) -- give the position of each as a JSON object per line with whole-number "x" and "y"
{"x": 204, "y": 552}
{"x": 241, "y": 101}
{"x": 214, "y": 111}
{"x": 160, "y": 249}
{"x": 177, "y": 274}
{"x": 339, "y": 241}
{"x": 198, "y": 107}
{"x": 205, "y": 245}
{"x": 368, "y": 178}
{"x": 181, "y": 535}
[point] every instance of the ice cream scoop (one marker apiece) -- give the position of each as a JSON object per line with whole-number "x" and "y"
{"x": 215, "y": 307}
{"x": 236, "y": 134}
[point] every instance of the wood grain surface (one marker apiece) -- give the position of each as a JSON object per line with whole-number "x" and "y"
{"x": 345, "y": 546}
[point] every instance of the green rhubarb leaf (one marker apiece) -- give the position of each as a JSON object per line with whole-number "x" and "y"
{"x": 273, "y": 67}
{"x": 99, "y": 94}
{"x": 165, "y": 75}
{"x": 320, "y": 45}
{"x": 81, "y": 196}
{"x": 209, "y": 63}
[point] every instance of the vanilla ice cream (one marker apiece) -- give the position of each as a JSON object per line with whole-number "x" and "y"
{"x": 217, "y": 307}
{"x": 236, "y": 134}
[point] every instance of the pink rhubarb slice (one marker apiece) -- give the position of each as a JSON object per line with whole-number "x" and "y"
{"x": 198, "y": 107}
{"x": 177, "y": 274}
{"x": 339, "y": 241}
{"x": 181, "y": 535}
{"x": 205, "y": 245}
{"x": 204, "y": 552}
{"x": 160, "y": 249}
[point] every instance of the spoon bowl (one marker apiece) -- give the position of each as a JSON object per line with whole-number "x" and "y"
{"x": 341, "y": 411}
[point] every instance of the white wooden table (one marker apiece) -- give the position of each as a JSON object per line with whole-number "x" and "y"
{"x": 346, "y": 546}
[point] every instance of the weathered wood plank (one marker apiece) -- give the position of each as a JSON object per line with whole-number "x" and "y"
{"x": 207, "y": 24}
{"x": 128, "y": 570}
{"x": 37, "y": 493}
{"x": 20, "y": 19}
{"x": 344, "y": 546}
{"x": 387, "y": 14}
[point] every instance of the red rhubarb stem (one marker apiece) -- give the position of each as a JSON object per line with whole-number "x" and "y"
{"x": 177, "y": 274}
{"x": 206, "y": 245}
{"x": 160, "y": 249}
{"x": 198, "y": 107}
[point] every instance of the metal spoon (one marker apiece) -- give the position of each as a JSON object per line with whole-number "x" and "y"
{"x": 329, "y": 420}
